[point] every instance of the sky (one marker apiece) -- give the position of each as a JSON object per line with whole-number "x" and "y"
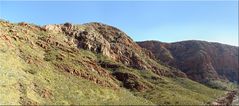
{"x": 166, "y": 21}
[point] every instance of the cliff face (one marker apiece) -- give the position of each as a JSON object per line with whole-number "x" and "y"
{"x": 113, "y": 43}
{"x": 200, "y": 60}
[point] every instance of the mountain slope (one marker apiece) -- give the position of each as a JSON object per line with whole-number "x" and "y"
{"x": 201, "y": 61}
{"x": 87, "y": 64}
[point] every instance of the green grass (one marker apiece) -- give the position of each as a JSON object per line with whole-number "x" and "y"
{"x": 176, "y": 91}
{"x": 220, "y": 84}
{"x": 72, "y": 90}
{"x": 180, "y": 91}
{"x": 65, "y": 88}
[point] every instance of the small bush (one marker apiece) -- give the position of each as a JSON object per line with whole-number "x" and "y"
{"x": 216, "y": 85}
{"x": 50, "y": 55}
{"x": 31, "y": 71}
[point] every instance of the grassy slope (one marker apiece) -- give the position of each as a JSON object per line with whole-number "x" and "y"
{"x": 40, "y": 82}
{"x": 181, "y": 91}
{"x": 66, "y": 89}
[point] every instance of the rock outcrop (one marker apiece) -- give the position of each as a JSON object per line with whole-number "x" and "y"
{"x": 113, "y": 43}
{"x": 130, "y": 81}
{"x": 225, "y": 100}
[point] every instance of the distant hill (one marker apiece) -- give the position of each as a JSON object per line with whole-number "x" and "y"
{"x": 202, "y": 61}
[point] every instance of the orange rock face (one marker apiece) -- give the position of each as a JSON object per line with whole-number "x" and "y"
{"x": 113, "y": 43}
{"x": 200, "y": 60}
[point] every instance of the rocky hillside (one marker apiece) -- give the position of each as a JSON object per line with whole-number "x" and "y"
{"x": 202, "y": 61}
{"x": 91, "y": 63}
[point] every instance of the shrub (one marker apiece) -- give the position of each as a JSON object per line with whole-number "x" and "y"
{"x": 31, "y": 71}
{"x": 216, "y": 84}
{"x": 50, "y": 55}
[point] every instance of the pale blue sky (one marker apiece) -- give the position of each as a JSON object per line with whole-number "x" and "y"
{"x": 170, "y": 21}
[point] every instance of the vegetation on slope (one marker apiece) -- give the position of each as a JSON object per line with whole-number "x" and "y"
{"x": 38, "y": 66}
